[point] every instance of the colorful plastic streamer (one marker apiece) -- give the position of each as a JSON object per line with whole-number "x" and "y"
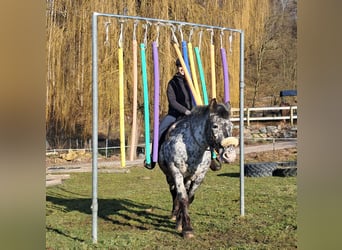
{"x": 146, "y": 105}
{"x": 121, "y": 109}
{"x": 185, "y": 56}
{"x": 197, "y": 99}
{"x": 135, "y": 99}
{"x": 213, "y": 73}
{"x": 156, "y": 101}
{"x": 201, "y": 72}
{"x": 193, "y": 69}
{"x": 225, "y": 75}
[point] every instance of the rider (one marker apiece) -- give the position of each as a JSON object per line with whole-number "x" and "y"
{"x": 179, "y": 98}
{"x": 180, "y": 104}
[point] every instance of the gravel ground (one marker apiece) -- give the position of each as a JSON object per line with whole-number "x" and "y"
{"x": 57, "y": 169}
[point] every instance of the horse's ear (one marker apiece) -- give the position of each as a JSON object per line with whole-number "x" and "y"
{"x": 213, "y": 105}
{"x": 229, "y": 107}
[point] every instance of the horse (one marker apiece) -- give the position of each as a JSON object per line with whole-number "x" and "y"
{"x": 184, "y": 155}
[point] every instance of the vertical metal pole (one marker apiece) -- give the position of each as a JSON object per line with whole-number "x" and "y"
{"x": 94, "y": 206}
{"x": 242, "y": 85}
{"x": 106, "y": 148}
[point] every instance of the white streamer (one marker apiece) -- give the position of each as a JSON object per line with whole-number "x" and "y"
{"x": 107, "y": 33}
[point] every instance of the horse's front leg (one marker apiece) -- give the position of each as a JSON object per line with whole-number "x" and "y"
{"x": 183, "y": 217}
{"x": 191, "y": 192}
{"x": 194, "y": 186}
{"x": 175, "y": 202}
{"x": 187, "y": 230}
{"x": 191, "y": 196}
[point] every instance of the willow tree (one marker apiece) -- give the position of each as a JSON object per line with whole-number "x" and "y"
{"x": 69, "y": 57}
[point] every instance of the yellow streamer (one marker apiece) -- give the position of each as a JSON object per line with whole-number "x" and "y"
{"x": 198, "y": 100}
{"x": 213, "y": 75}
{"x": 193, "y": 69}
{"x": 121, "y": 102}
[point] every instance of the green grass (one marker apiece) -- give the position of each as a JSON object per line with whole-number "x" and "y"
{"x": 134, "y": 210}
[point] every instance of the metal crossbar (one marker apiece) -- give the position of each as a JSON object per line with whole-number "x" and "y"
{"x": 155, "y": 20}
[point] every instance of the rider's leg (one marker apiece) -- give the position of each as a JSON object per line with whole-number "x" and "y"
{"x": 163, "y": 126}
{"x": 215, "y": 165}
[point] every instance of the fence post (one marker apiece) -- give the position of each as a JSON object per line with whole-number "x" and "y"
{"x": 291, "y": 115}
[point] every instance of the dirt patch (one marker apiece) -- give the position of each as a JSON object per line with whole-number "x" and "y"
{"x": 75, "y": 158}
{"x": 79, "y": 161}
{"x": 288, "y": 154}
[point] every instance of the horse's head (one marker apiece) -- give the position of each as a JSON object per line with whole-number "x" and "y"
{"x": 221, "y": 128}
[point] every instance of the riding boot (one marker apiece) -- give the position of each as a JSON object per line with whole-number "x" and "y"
{"x": 215, "y": 165}
{"x": 150, "y": 165}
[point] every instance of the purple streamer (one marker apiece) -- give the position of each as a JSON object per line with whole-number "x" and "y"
{"x": 225, "y": 75}
{"x": 156, "y": 101}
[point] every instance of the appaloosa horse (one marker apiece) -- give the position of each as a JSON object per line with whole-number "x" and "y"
{"x": 185, "y": 155}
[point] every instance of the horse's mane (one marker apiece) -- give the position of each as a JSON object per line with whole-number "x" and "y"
{"x": 223, "y": 110}
{"x": 199, "y": 110}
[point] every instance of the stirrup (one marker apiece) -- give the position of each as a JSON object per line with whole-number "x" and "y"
{"x": 215, "y": 165}
{"x": 149, "y": 166}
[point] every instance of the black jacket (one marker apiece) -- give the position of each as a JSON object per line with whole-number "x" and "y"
{"x": 179, "y": 96}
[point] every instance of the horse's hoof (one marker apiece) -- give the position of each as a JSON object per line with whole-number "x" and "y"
{"x": 179, "y": 227}
{"x": 188, "y": 234}
{"x": 173, "y": 218}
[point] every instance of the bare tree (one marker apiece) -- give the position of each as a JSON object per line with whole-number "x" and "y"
{"x": 273, "y": 59}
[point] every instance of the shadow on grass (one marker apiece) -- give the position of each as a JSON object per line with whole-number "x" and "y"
{"x": 123, "y": 213}
{"x": 235, "y": 175}
{"x": 58, "y": 231}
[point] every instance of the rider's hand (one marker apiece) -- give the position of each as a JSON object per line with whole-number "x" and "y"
{"x": 188, "y": 112}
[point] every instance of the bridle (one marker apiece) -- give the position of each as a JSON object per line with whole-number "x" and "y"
{"x": 212, "y": 144}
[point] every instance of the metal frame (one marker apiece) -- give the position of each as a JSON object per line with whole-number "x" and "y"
{"x": 94, "y": 206}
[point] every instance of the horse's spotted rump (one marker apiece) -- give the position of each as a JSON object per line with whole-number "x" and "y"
{"x": 185, "y": 156}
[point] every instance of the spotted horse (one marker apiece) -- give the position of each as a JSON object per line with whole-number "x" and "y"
{"x": 185, "y": 154}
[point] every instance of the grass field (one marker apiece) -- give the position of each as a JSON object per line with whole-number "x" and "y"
{"x": 134, "y": 211}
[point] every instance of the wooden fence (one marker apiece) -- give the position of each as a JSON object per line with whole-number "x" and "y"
{"x": 250, "y": 114}
{"x": 266, "y": 114}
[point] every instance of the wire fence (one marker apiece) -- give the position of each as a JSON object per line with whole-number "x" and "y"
{"x": 108, "y": 150}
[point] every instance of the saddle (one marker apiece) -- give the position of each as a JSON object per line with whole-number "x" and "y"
{"x": 162, "y": 138}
